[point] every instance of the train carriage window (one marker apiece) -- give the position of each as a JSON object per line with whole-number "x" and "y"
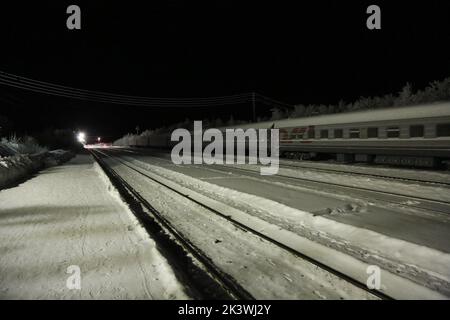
{"x": 372, "y": 132}
{"x": 298, "y": 133}
{"x": 311, "y": 133}
{"x": 338, "y": 133}
{"x": 323, "y": 134}
{"x": 284, "y": 134}
{"x": 443, "y": 130}
{"x": 416, "y": 131}
{"x": 354, "y": 133}
{"x": 393, "y": 132}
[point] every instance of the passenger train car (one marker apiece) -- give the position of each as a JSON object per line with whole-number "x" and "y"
{"x": 412, "y": 136}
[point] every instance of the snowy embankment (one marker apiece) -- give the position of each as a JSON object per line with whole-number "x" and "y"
{"x": 423, "y": 265}
{"x": 73, "y": 219}
{"x": 16, "y": 167}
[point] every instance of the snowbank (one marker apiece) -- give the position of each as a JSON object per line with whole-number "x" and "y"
{"x": 58, "y": 156}
{"x": 17, "y": 167}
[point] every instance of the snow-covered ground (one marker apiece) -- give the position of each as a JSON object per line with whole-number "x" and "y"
{"x": 418, "y": 224}
{"x": 264, "y": 269}
{"x": 70, "y": 217}
{"x": 419, "y": 263}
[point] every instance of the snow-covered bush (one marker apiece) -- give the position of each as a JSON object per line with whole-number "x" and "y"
{"x": 23, "y": 145}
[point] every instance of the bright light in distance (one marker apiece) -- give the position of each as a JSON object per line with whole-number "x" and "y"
{"x": 81, "y": 137}
{"x": 98, "y": 139}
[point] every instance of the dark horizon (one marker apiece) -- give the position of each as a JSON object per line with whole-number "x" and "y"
{"x": 309, "y": 53}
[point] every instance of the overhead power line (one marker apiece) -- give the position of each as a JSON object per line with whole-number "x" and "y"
{"x": 47, "y": 88}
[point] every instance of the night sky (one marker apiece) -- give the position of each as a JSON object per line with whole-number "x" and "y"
{"x": 311, "y": 52}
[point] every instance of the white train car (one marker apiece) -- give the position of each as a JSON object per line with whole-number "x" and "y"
{"x": 413, "y": 136}
{"x": 416, "y": 136}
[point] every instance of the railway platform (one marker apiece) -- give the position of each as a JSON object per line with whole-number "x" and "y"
{"x": 64, "y": 235}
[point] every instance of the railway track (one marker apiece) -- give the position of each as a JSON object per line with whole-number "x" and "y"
{"x": 201, "y": 274}
{"x": 417, "y": 202}
{"x": 371, "y": 175}
{"x": 311, "y": 166}
{"x": 437, "y": 206}
{"x": 229, "y": 285}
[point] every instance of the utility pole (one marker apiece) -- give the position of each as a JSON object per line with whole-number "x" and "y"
{"x": 254, "y": 106}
